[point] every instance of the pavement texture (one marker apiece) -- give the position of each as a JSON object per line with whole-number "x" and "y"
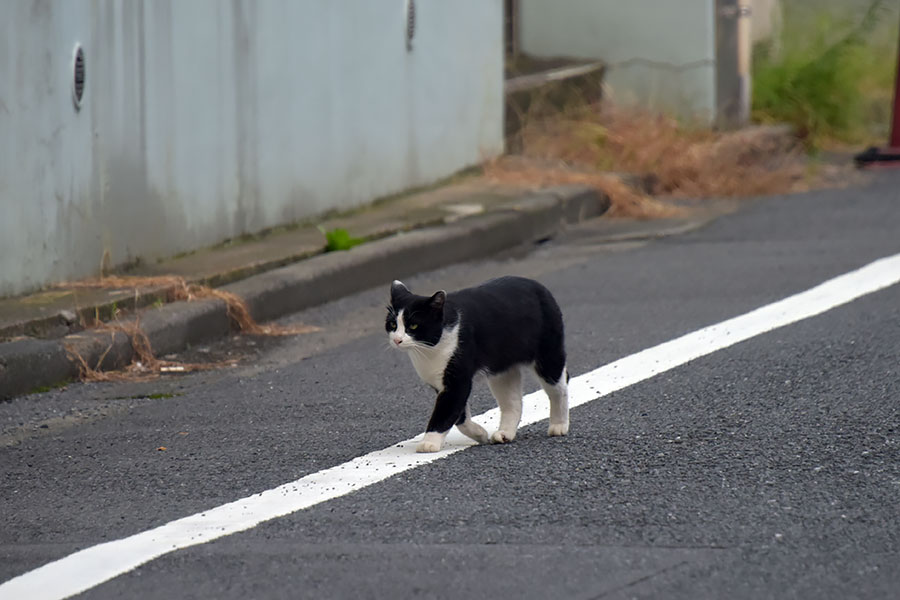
{"x": 769, "y": 469}
{"x": 276, "y": 274}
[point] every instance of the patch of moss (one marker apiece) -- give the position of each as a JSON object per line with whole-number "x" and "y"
{"x": 43, "y": 389}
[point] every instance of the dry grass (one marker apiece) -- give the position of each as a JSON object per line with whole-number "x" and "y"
{"x": 626, "y": 201}
{"x": 588, "y": 144}
{"x": 179, "y": 289}
{"x": 144, "y": 364}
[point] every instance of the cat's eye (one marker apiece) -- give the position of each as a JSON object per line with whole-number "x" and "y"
{"x": 392, "y": 326}
{"x": 413, "y": 327}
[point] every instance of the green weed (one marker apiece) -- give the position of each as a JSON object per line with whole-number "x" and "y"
{"x": 832, "y": 78}
{"x": 339, "y": 239}
{"x": 43, "y": 389}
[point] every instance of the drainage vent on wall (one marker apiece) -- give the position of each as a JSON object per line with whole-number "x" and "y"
{"x": 78, "y": 73}
{"x": 410, "y": 23}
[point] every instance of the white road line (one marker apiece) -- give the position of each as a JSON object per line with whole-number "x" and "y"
{"x": 92, "y": 566}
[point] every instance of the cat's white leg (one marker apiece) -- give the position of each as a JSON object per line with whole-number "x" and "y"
{"x": 432, "y": 441}
{"x": 472, "y": 429}
{"x": 559, "y": 404}
{"x": 507, "y": 390}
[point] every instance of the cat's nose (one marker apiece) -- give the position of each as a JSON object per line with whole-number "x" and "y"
{"x": 398, "y": 341}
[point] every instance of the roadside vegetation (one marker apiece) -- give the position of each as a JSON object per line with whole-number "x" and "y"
{"x": 830, "y": 73}
{"x": 145, "y": 364}
{"x": 339, "y": 239}
{"x": 642, "y": 160}
{"x": 825, "y": 83}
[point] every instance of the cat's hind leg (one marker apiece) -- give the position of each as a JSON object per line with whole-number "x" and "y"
{"x": 558, "y": 393}
{"x": 471, "y": 429}
{"x": 550, "y": 366}
{"x": 507, "y": 390}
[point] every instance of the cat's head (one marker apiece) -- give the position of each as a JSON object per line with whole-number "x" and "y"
{"x": 414, "y": 321}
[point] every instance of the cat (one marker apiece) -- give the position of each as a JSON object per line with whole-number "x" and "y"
{"x": 500, "y": 328}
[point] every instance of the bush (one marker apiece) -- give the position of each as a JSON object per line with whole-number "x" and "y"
{"x": 832, "y": 80}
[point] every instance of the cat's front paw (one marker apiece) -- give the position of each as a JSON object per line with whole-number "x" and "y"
{"x": 431, "y": 442}
{"x": 557, "y": 429}
{"x": 428, "y": 447}
{"x": 502, "y": 437}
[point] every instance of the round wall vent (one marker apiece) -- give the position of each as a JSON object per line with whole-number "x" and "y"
{"x": 78, "y": 74}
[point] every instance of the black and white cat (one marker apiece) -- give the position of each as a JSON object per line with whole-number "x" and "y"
{"x": 498, "y": 328}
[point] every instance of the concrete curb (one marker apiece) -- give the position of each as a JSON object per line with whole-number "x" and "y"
{"x": 28, "y": 364}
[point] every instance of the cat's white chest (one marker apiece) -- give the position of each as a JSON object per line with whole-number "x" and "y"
{"x": 430, "y": 363}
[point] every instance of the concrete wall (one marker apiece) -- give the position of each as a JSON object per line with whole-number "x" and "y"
{"x": 660, "y": 53}
{"x": 766, "y": 20}
{"x": 206, "y": 119}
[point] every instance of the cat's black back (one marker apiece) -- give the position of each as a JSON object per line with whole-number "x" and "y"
{"x": 508, "y": 321}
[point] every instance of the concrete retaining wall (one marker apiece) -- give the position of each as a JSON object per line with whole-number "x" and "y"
{"x": 658, "y": 54}
{"x": 204, "y": 120}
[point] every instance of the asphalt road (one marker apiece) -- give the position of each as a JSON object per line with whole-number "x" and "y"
{"x": 767, "y": 469}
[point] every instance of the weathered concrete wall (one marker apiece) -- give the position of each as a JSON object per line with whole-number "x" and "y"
{"x": 766, "y": 20}
{"x": 207, "y": 119}
{"x": 660, "y": 54}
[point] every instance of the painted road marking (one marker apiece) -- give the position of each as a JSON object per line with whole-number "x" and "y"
{"x": 92, "y": 566}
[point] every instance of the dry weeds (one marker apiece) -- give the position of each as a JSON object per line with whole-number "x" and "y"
{"x": 144, "y": 364}
{"x": 626, "y": 201}
{"x": 589, "y": 144}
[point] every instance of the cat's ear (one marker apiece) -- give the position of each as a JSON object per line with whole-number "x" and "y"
{"x": 437, "y": 301}
{"x": 398, "y": 290}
